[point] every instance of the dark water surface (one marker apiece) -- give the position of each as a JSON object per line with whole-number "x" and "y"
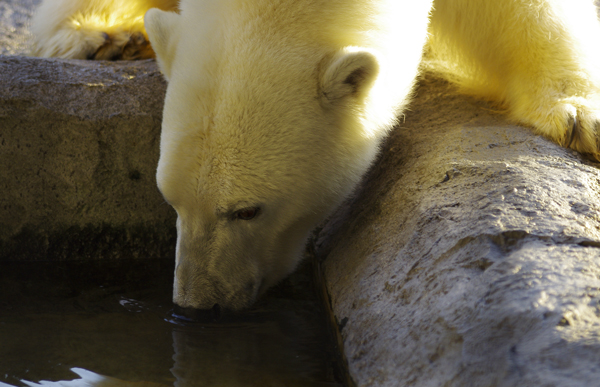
{"x": 75, "y": 324}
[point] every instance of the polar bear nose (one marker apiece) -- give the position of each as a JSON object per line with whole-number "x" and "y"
{"x": 198, "y": 315}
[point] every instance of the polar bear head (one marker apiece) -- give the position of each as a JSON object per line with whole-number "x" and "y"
{"x": 263, "y": 136}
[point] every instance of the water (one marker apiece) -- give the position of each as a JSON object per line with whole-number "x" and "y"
{"x": 111, "y": 324}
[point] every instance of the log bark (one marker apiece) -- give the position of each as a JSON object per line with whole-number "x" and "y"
{"x": 469, "y": 256}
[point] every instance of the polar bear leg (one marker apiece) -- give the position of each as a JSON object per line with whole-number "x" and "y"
{"x": 93, "y": 29}
{"x": 538, "y": 57}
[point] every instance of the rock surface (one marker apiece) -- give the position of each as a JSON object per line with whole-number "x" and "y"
{"x": 78, "y": 152}
{"x": 469, "y": 256}
{"x": 15, "y": 16}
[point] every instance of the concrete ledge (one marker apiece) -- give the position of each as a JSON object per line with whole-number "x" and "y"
{"x": 470, "y": 255}
{"x": 78, "y": 151}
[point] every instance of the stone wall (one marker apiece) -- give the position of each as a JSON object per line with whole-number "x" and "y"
{"x": 78, "y": 152}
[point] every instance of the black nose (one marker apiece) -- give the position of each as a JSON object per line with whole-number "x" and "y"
{"x": 198, "y": 315}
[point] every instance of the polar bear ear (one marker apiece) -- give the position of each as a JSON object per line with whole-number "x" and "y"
{"x": 351, "y": 72}
{"x": 162, "y": 27}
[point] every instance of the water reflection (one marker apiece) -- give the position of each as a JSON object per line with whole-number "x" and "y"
{"x": 260, "y": 349}
{"x": 88, "y": 378}
{"x": 111, "y": 335}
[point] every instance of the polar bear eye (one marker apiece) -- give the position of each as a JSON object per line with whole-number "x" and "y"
{"x": 246, "y": 213}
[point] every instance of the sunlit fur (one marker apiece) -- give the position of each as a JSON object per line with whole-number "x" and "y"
{"x": 539, "y": 59}
{"x": 282, "y": 105}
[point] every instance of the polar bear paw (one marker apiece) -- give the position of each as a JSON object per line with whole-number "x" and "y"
{"x": 580, "y": 129}
{"x": 571, "y": 122}
{"x": 93, "y": 44}
{"x": 89, "y": 32}
{"x": 582, "y": 134}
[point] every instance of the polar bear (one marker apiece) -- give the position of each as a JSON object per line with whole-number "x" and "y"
{"x": 276, "y": 108}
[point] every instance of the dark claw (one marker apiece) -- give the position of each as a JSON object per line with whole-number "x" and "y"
{"x": 597, "y": 132}
{"x": 107, "y": 42}
{"x": 138, "y": 47}
{"x": 574, "y": 132}
{"x": 137, "y": 39}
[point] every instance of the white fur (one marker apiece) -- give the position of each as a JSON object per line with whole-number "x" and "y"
{"x": 257, "y": 114}
{"x": 281, "y": 105}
